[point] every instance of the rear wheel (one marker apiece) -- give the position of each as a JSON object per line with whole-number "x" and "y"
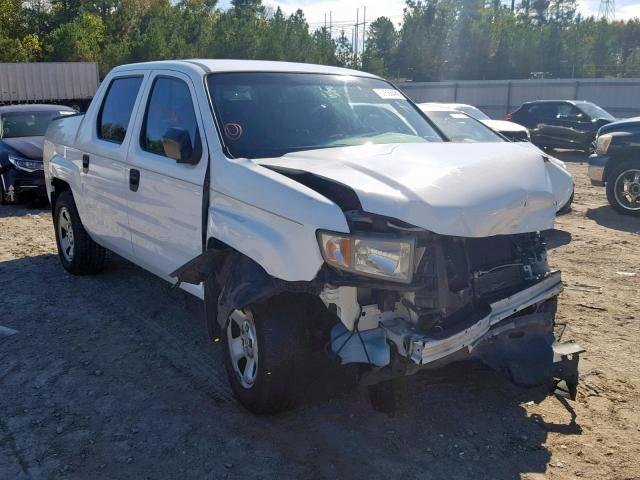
{"x": 79, "y": 254}
{"x": 623, "y": 188}
{"x": 3, "y": 200}
{"x": 266, "y": 350}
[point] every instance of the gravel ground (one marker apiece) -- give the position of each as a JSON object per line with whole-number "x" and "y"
{"x": 111, "y": 377}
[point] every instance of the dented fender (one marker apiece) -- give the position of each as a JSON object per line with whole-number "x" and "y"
{"x": 238, "y": 280}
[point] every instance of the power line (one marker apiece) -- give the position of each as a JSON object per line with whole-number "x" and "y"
{"x": 607, "y": 10}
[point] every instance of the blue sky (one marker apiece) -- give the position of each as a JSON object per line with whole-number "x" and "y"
{"x": 345, "y": 10}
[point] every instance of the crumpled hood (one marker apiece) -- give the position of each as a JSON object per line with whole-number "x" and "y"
{"x": 468, "y": 190}
{"x": 29, "y": 147}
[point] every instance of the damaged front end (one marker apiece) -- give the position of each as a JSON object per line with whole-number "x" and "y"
{"x": 490, "y": 299}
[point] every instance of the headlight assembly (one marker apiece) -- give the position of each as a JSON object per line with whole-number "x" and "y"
{"x": 388, "y": 258}
{"x": 602, "y": 144}
{"x": 26, "y": 164}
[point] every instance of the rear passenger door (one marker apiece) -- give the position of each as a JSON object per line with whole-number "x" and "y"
{"x": 165, "y": 197}
{"x": 103, "y": 144}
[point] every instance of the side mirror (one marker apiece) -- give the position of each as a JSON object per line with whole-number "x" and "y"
{"x": 177, "y": 145}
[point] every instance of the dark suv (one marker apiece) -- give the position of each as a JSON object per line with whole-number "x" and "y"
{"x": 562, "y": 123}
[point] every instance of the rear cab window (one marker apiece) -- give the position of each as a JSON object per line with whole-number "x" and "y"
{"x": 116, "y": 109}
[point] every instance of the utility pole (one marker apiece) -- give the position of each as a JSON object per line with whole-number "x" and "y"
{"x": 330, "y": 25}
{"x": 607, "y": 10}
{"x": 355, "y": 49}
{"x": 364, "y": 33}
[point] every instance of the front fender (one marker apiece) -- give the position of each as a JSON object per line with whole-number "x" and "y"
{"x": 61, "y": 167}
{"x": 270, "y": 218}
{"x": 285, "y": 248}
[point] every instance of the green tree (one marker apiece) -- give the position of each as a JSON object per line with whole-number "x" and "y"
{"x": 77, "y": 41}
{"x": 11, "y": 18}
{"x": 344, "y": 51}
{"x": 381, "y": 45}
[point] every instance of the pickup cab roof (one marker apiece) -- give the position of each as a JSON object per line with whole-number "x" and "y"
{"x": 206, "y": 66}
{"x": 34, "y": 107}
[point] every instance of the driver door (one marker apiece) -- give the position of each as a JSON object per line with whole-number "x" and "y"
{"x": 165, "y": 197}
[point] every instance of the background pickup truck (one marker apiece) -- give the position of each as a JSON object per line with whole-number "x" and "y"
{"x": 307, "y": 224}
{"x": 616, "y": 164}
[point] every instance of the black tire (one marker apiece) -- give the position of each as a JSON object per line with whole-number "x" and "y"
{"x": 566, "y": 208}
{"x": 2, "y": 198}
{"x": 283, "y": 356}
{"x": 613, "y": 180}
{"x": 86, "y": 256}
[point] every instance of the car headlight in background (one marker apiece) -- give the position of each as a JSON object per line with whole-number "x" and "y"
{"x": 26, "y": 164}
{"x": 379, "y": 257}
{"x": 602, "y": 144}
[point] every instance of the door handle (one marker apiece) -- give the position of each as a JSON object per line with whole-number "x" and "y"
{"x": 85, "y": 163}
{"x": 134, "y": 179}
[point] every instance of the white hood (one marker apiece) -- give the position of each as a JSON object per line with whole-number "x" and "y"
{"x": 468, "y": 190}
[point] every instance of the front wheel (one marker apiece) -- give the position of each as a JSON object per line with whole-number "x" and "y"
{"x": 266, "y": 352}
{"x": 623, "y": 188}
{"x": 78, "y": 253}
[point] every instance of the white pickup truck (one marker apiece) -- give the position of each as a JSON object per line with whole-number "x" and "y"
{"x": 313, "y": 208}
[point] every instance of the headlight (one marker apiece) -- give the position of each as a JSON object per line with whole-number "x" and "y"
{"x": 26, "y": 164}
{"x": 379, "y": 257}
{"x": 602, "y": 144}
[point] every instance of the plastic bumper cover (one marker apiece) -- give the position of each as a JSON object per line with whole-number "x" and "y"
{"x": 597, "y": 165}
{"x": 17, "y": 182}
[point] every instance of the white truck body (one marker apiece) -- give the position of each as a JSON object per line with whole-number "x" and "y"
{"x": 260, "y": 211}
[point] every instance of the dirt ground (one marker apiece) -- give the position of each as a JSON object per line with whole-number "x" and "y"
{"x": 111, "y": 377}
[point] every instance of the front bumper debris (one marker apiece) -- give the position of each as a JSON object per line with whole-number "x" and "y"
{"x": 521, "y": 345}
{"x": 423, "y": 349}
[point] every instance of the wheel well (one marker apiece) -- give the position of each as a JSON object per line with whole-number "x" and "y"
{"x": 59, "y": 186}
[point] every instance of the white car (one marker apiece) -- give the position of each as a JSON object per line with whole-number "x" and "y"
{"x": 512, "y": 131}
{"x": 304, "y": 222}
{"x": 458, "y": 126}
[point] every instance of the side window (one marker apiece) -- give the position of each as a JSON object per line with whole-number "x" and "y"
{"x": 170, "y": 106}
{"x": 544, "y": 110}
{"x": 116, "y": 109}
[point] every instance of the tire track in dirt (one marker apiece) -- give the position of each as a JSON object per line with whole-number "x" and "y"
{"x": 166, "y": 326}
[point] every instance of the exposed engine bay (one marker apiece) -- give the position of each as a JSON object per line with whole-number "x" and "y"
{"x": 468, "y": 298}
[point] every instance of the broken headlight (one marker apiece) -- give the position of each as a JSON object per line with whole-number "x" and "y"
{"x": 25, "y": 164}
{"x": 389, "y": 258}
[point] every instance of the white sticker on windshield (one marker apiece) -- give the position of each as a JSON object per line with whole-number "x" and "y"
{"x": 389, "y": 93}
{"x": 458, "y": 115}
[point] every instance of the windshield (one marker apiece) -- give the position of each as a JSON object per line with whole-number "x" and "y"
{"x": 272, "y": 114}
{"x": 594, "y": 111}
{"x": 460, "y": 127}
{"x": 27, "y": 124}
{"x": 472, "y": 111}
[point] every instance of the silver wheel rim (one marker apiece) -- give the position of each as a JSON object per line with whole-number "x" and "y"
{"x": 627, "y": 189}
{"x": 243, "y": 346}
{"x": 65, "y": 234}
